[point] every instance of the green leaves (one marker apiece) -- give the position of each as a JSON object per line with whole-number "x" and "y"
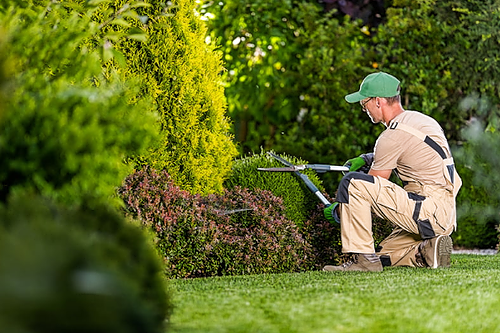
{"x": 288, "y": 71}
{"x": 67, "y": 129}
{"x": 165, "y": 52}
{"x": 297, "y": 198}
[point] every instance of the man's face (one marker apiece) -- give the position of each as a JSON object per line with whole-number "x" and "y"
{"x": 368, "y": 106}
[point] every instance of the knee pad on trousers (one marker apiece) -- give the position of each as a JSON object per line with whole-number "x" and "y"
{"x": 343, "y": 191}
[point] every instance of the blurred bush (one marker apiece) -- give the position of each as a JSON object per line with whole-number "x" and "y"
{"x": 67, "y": 270}
{"x": 66, "y": 128}
{"x": 481, "y": 198}
{"x": 68, "y": 261}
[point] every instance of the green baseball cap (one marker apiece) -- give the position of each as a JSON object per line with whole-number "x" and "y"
{"x": 375, "y": 85}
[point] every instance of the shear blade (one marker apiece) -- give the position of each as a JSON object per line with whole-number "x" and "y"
{"x": 290, "y": 169}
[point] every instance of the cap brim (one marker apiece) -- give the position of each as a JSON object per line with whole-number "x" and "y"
{"x": 354, "y": 97}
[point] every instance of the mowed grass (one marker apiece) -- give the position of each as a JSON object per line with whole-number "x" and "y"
{"x": 463, "y": 298}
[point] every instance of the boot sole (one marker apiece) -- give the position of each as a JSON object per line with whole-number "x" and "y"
{"x": 442, "y": 254}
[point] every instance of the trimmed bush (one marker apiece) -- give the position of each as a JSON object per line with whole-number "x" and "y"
{"x": 299, "y": 201}
{"x": 238, "y": 232}
{"x": 72, "y": 271}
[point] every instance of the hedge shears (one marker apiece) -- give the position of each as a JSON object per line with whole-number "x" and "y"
{"x": 297, "y": 168}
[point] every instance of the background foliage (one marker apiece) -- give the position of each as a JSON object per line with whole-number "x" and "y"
{"x": 287, "y": 71}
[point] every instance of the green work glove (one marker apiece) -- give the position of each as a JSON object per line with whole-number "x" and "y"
{"x": 331, "y": 214}
{"x": 354, "y": 164}
{"x": 361, "y": 163}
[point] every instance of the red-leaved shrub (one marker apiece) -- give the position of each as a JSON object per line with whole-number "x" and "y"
{"x": 237, "y": 232}
{"x": 324, "y": 238}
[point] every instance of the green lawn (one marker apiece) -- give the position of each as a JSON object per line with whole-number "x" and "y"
{"x": 463, "y": 298}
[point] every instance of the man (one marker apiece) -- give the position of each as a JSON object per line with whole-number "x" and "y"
{"x": 423, "y": 211}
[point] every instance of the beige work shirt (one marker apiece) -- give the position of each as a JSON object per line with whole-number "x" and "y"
{"x": 414, "y": 160}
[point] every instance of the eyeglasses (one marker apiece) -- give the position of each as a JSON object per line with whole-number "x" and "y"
{"x": 363, "y": 105}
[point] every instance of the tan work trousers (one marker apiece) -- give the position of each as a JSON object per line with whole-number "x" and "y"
{"x": 417, "y": 212}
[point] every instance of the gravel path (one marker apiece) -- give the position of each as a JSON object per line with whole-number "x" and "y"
{"x": 475, "y": 251}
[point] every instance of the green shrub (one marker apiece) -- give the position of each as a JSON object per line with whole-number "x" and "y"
{"x": 237, "y": 232}
{"x": 66, "y": 130}
{"x": 77, "y": 271}
{"x": 179, "y": 73}
{"x": 299, "y": 201}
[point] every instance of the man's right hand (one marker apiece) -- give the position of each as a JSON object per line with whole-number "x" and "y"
{"x": 361, "y": 163}
{"x": 354, "y": 164}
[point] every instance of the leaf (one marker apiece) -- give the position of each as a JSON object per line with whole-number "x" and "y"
{"x": 121, "y": 22}
{"x": 119, "y": 57}
{"x": 140, "y": 4}
{"x": 139, "y": 37}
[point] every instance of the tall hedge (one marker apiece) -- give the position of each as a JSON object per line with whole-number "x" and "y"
{"x": 179, "y": 74}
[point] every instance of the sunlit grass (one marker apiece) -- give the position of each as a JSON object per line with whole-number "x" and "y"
{"x": 464, "y": 298}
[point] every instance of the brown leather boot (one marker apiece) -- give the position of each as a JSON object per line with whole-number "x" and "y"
{"x": 436, "y": 252}
{"x": 359, "y": 263}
